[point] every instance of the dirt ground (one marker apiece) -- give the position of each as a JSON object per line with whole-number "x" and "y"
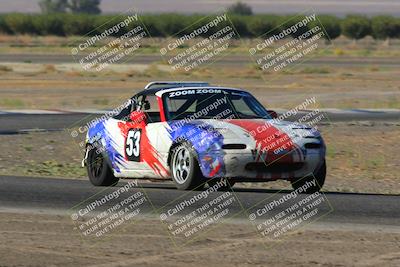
{"x": 361, "y": 157}
{"x": 50, "y": 240}
{"x": 67, "y": 86}
{"x": 371, "y": 84}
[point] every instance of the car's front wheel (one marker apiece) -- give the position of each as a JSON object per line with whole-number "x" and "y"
{"x": 99, "y": 171}
{"x": 314, "y": 182}
{"x": 185, "y": 169}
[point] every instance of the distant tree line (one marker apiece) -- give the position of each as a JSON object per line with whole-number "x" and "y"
{"x": 72, "y": 6}
{"x": 163, "y": 25}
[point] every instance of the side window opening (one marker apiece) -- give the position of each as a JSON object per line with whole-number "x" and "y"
{"x": 149, "y": 105}
{"x": 146, "y": 103}
{"x": 128, "y": 106}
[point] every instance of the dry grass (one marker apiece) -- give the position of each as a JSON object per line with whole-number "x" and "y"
{"x": 12, "y": 103}
{"x": 5, "y": 68}
{"x": 51, "y": 86}
{"x": 26, "y": 44}
{"x": 74, "y": 73}
{"x": 49, "y": 68}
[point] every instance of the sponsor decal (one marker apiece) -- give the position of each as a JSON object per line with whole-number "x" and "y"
{"x": 194, "y": 91}
{"x": 136, "y": 136}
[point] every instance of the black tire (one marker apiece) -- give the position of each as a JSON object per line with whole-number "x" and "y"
{"x": 227, "y": 187}
{"x": 185, "y": 169}
{"x": 99, "y": 170}
{"x": 319, "y": 175}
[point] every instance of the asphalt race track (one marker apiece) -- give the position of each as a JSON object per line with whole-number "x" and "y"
{"x": 45, "y": 194}
{"x": 60, "y": 195}
{"x": 12, "y": 123}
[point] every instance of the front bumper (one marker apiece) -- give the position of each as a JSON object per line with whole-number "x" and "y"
{"x": 242, "y": 166}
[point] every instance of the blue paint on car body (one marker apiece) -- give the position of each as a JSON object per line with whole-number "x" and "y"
{"x": 99, "y": 133}
{"x": 207, "y": 142}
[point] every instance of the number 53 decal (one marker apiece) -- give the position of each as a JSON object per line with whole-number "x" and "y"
{"x": 132, "y": 145}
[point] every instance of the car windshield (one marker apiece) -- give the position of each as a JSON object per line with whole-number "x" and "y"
{"x": 212, "y": 104}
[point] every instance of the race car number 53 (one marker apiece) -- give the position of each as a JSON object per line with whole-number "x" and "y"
{"x": 132, "y": 145}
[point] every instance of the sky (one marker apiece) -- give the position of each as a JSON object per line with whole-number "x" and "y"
{"x": 337, "y": 7}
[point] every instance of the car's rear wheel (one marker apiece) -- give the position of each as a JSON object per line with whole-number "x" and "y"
{"x": 319, "y": 178}
{"x": 185, "y": 169}
{"x": 99, "y": 171}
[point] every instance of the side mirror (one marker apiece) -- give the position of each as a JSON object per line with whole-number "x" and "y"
{"x": 138, "y": 117}
{"x": 273, "y": 114}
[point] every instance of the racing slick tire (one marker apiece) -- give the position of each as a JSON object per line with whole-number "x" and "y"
{"x": 185, "y": 169}
{"x": 318, "y": 176}
{"x": 214, "y": 181}
{"x": 99, "y": 170}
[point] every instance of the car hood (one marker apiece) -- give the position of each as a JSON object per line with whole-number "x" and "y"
{"x": 246, "y": 128}
{"x": 260, "y": 134}
{"x": 264, "y": 139}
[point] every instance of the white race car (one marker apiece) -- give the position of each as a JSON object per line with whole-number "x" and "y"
{"x": 194, "y": 134}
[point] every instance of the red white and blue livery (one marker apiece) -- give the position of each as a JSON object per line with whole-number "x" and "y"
{"x": 195, "y": 134}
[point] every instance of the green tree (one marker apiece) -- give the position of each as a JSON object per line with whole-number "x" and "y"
{"x": 385, "y": 27}
{"x": 53, "y": 6}
{"x": 263, "y": 24}
{"x": 20, "y": 23}
{"x": 239, "y": 23}
{"x": 79, "y": 25}
{"x": 73, "y": 6}
{"x": 49, "y": 24}
{"x": 240, "y": 8}
{"x": 3, "y": 25}
{"x": 84, "y": 6}
{"x": 330, "y": 24}
{"x": 356, "y": 27}
{"x": 172, "y": 24}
